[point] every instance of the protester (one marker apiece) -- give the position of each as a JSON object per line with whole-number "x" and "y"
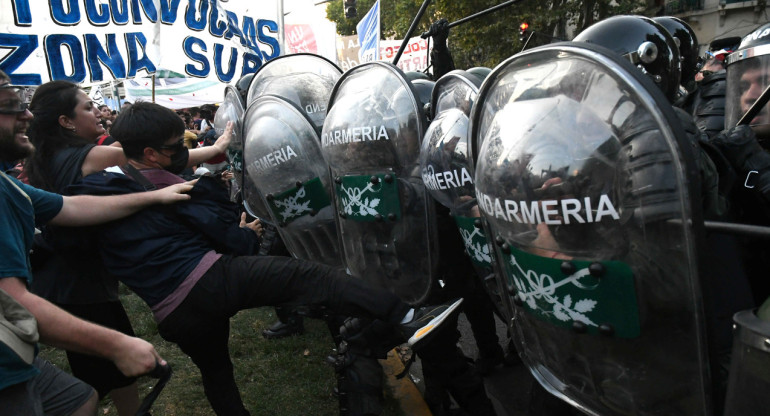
{"x": 105, "y": 112}
{"x": 28, "y": 387}
{"x": 194, "y": 264}
{"x": 69, "y": 271}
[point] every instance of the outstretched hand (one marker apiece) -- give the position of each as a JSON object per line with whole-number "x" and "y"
{"x": 175, "y": 193}
{"x": 255, "y": 225}
{"x": 223, "y": 142}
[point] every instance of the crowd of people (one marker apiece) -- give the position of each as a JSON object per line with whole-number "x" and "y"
{"x": 93, "y": 197}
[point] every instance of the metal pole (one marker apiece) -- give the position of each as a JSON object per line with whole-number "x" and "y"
{"x": 281, "y": 32}
{"x": 473, "y": 16}
{"x": 483, "y": 13}
{"x": 409, "y": 32}
{"x": 153, "y": 88}
{"x": 747, "y": 230}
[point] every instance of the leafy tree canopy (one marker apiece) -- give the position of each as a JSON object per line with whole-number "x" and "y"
{"x": 488, "y": 40}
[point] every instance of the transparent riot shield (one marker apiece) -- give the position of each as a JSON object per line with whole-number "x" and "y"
{"x": 232, "y": 109}
{"x": 303, "y": 79}
{"x": 447, "y": 174}
{"x": 283, "y": 161}
{"x": 749, "y": 366}
{"x": 584, "y": 176}
{"x": 371, "y": 143}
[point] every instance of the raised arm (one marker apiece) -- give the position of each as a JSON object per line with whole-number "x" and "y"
{"x": 202, "y": 154}
{"x": 84, "y": 210}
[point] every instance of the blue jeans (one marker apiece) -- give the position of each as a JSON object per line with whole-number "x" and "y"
{"x": 201, "y": 323}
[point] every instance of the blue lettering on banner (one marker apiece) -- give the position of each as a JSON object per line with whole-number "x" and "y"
{"x": 233, "y": 29}
{"x": 111, "y": 58}
{"x": 190, "y": 69}
{"x": 216, "y": 27}
{"x": 168, "y": 11}
{"x": 65, "y": 18}
{"x": 91, "y": 53}
{"x": 272, "y": 27}
{"x": 21, "y": 47}
{"x": 250, "y": 33}
{"x": 190, "y": 18}
{"x": 251, "y": 63}
{"x": 135, "y": 63}
{"x": 53, "y": 47}
{"x": 119, "y": 11}
{"x": 225, "y": 76}
{"x": 97, "y": 16}
{"x": 22, "y": 15}
{"x": 148, "y": 7}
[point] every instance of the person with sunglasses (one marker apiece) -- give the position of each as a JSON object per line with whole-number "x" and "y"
{"x": 196, "y": 265}
{"x": 29, "y": 385}
{"x": 68, "y": 269}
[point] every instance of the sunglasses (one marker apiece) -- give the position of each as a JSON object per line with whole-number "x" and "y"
{"x": 176, "y": 146}
{"x": 19, "y": 103}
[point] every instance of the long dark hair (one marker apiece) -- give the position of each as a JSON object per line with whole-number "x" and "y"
{"x": 51, "y": 100}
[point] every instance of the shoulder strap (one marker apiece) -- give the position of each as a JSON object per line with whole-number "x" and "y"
{"x": 138, "y": 177}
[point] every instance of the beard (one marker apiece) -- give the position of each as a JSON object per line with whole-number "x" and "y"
{"x": 10, "y": 150}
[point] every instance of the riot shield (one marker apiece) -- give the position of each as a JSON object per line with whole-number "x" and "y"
{"x": 303, "y": 79}
{"x": 232, "y": 109}
{"x": 589, "y": 187}
{"x": 749, "y": 366}
{"x": 284, "y": 163}
{"x": 448, "y": 176}
{"x": 371, "y": 143}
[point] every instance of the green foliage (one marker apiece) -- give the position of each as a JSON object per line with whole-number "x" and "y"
{"x": 488, "y": 40}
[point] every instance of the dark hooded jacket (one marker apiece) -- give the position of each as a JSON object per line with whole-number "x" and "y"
{"x": 154, "y": 250}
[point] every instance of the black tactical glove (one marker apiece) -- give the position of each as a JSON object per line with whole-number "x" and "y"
{"x": 749, "y": 159}
{"x": 439, "y": 55}
{"x": 439, "y": 31}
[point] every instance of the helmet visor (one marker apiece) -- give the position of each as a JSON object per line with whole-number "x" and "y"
{"x": 746, "y": 80}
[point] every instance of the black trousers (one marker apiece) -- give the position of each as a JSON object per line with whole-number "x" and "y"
{"x": 201, "y": 323}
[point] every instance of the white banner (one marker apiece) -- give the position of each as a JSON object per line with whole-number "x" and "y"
{"x": 175, "y": 93}
{"x": 416, "y": 56}
{"x": 88, "y": 41}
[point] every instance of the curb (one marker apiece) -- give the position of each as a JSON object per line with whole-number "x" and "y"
{"x": 403, "y": 390}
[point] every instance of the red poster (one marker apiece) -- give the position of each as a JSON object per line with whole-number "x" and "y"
{"x": 300, "y": 38}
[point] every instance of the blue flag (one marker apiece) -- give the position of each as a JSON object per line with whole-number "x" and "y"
{"x": 369, "y": 35}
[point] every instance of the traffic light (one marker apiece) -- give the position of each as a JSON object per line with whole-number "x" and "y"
{"x": 523, "y": 32}
{"x": 350, "y": 8}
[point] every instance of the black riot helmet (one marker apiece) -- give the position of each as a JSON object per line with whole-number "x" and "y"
{"x": 243, "y": 86}
{"x": 748, "y": 74}
{"x": 687, "y": 42}
{"x": 647, "y": 44}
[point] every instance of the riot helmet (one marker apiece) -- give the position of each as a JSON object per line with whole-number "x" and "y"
{"x": 645, "y": 43}
{"x": 685, "y": 38}
{"x": 303, "y": 79}
{"x": 479, "y": 71}
{"x": 242, "y": 86}
{"x": 424, "y": 88}
{"x": 444, "y": 161}
{"x": 747, "y": 77}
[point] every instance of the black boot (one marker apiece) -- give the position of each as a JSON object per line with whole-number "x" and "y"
{"x": 289, "y": 323}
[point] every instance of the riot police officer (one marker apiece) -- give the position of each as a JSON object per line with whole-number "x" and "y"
{"x": 746, "y": 146}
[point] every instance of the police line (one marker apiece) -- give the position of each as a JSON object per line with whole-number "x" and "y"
{"x": 93, "y": 41}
